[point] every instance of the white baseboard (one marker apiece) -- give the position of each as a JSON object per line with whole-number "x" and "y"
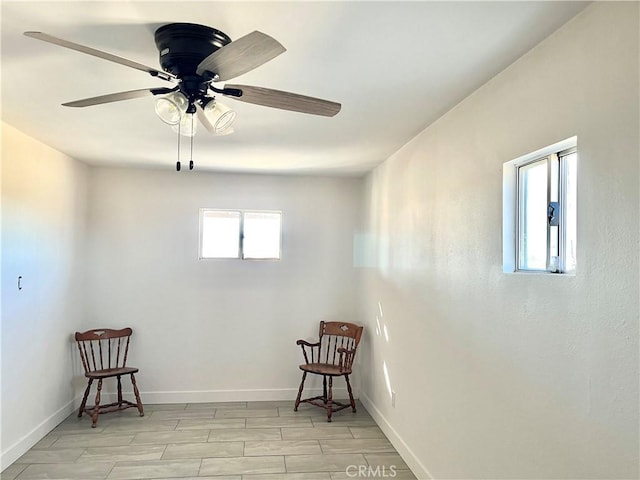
{"x": 251, "y": 395}
{"x": 21, "y": 447}
{"x": 416, "y": 466}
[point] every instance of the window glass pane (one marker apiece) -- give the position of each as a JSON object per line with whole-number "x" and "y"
{"x": 554, "y": 193}
{"x": 220, "y": 234}
{"x": 532, "y": 216}
{"x": 261, "y": 235}
{"x": 570, "y": 166}
{"x": 554, "y": 196}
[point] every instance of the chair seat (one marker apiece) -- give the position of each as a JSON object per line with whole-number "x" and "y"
{"x": 324, "y": 369}
{"x": 111, "y": 372}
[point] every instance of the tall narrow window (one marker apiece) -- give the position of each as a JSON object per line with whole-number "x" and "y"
{"x": 240, "y": 234}
{"x": 547, "y": 213}
{"x": 540, "y": 210}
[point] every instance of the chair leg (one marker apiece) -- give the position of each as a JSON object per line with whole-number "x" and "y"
{"x": 137, "y": 394}
{"x": 304, "y": 376}
{"x": 119, "y": 392}
{"x": 84, "y": 399}
{"x": 330, "y": 400}
{"x": 96, "y": 409}
{"x": 353, "y": 403}
{"x": 324, "y": 389}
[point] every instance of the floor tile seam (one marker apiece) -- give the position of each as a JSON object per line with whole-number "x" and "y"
{"x": 99, "y": 460}
{"x": 242, "y": 474}
{"x": 120, "y": 463}
{"x": 113, "y": 465}
{"x": 321, "y": 448}
{"x": 129, "y": 444}
{"x": 295, "y": 440}
{"x": 164, "y": 450}
{"x": 281, "y": 455}
{"x": 360, "y": 452}
{"x": 20, "y": 472}
{"x": 53, "y": 444}
{"x": 371, "y": 465}
{"x": 72, "y": 462}
{"x": 215, "y": 441}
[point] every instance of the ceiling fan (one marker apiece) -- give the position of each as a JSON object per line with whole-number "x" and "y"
{"x": 194, "y": 57}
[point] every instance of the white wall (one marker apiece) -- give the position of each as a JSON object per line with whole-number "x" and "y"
{"x": 43, "y": 225}
{"x": 211, "y": 330}
{"x": 512, "y": 375}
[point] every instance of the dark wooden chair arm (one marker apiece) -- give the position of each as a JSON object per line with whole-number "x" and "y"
{"x": 346, "y": 358}
{"x": 344, "y": 350}
{"x": 304, "y": 344}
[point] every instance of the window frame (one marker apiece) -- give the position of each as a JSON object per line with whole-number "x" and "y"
{"x": 512, "y": 208}
{"x": 241, "y": 235}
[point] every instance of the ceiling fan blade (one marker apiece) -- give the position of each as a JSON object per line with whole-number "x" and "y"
{"x": 100, "y": 54}
{"x": 117, "y": 97}
{"x": 241, "y": 56}
{"x": 285, "y": 100}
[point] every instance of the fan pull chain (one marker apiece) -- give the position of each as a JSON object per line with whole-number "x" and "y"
{"x": 191, "y": 152}
{"x": 178, "y": 162}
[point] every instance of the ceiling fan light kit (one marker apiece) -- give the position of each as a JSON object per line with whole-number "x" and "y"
{"x": 195, "y": 57}
{"x": 187, "y": 126}
{"x": 219, "y": 115}
{"x": 172, "y": 107}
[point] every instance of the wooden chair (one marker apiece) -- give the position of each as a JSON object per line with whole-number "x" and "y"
{"x": 332, "y": 356}
{"x": 104, "y": 354}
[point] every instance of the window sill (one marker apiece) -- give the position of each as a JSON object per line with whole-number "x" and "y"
{"x": 540, "y": 272}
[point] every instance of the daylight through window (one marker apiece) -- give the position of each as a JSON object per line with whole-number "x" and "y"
{"x": 240, "y": 234}
{"x": 540, "y": 195}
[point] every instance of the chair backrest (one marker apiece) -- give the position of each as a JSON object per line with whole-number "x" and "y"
{"x": 335, "y": 335}
{"x": 103, "y": 348}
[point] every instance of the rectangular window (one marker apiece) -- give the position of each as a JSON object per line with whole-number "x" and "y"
{"x": 240, "y": 234}
{"x": 540, "y": 212}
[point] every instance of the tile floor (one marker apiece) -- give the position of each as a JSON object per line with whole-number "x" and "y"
{"x": 222, "y": 441}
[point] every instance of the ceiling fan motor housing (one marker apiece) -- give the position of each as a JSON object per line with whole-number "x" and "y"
{"x": 183, "y": 46}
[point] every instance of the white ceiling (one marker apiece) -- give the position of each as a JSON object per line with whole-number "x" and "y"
{"x": 395, "y": 67}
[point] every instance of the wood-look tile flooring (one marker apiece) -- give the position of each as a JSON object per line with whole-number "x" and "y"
{"x": 222, "y": 441}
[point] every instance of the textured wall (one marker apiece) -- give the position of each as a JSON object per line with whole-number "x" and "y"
{"x": 512, "y": 375}
{"x": 43, "y": 230}
{"x": 208, "y": 330}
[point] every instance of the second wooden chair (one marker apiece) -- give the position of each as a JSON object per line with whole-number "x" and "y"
{"x": 332, "y": 356}
{"x": 104, "y": 354}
